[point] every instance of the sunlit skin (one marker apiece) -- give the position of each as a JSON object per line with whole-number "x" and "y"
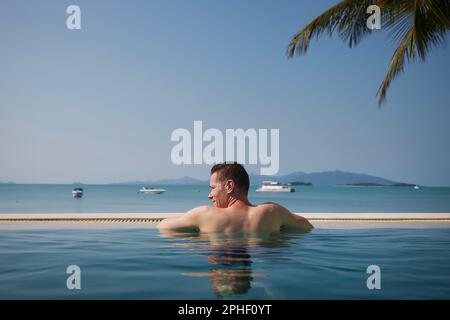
{"x": 232, "y": 212}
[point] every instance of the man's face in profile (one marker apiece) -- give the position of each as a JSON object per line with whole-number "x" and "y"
{"x": 218, "y": 194}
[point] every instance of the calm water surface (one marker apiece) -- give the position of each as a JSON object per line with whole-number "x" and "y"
{"x": 141, "y": 263}
{"x": 125, "y": 198}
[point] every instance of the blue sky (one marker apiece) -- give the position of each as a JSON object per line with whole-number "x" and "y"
{"x": 99, "y": 104}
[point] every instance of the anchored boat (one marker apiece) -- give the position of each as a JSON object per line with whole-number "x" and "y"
{"x": 274, "y": 186}
{"x": 77, "y": 192}
{"x": 151, "y": 190}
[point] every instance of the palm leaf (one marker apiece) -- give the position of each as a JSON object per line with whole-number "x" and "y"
{"x": 349, "y": 17}
{"x": 421, "y": 29}
{"x": 416, "y": 25}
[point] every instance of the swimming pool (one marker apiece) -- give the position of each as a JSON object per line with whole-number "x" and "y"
{"x": 141, "y": 263}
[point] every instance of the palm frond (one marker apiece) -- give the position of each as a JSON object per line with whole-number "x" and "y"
{"x": 416, "y": 26}
{"x": 421, "y": 31}
{"x": 397, "y": 63}
{"x": 348, "y": 17}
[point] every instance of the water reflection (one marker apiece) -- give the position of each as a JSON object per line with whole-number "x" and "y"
{"x": 230, "y": 256}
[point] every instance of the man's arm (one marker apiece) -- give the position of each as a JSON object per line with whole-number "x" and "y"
{"x": 290, "y": 220}
{"x": 188, "y": 221}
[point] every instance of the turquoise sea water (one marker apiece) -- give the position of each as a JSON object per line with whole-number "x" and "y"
{"x": 139, "y": 263}
{"x": 125, "y": 198}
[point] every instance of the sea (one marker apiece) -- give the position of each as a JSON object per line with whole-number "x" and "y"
{"x": 57, "y": 198}
{"x": 140, "y": 262}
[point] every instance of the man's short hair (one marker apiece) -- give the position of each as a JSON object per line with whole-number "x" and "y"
{"x": 233, "y": 171}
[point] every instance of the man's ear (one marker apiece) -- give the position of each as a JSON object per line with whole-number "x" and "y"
{"x": 230, "y": 186}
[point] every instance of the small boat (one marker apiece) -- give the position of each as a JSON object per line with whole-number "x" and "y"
{"x": 77, "y": 192}
{"x": 274, "y": 186}
{"x": 416, "y": 187}
{"x": 151, "y": 190}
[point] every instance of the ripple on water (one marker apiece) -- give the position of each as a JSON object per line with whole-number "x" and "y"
{"x": 144, "y": 264}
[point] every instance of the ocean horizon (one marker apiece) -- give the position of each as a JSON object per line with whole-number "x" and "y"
{"x": 124, "y": 198}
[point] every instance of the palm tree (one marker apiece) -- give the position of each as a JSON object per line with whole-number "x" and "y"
{"x": 416, "y": 25}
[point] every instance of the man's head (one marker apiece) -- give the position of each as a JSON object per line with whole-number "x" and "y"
{"x": 228, "y": 180}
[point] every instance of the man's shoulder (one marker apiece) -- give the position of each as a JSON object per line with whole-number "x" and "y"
{"x": 271, "y": 207}
{"x": 200, "y": 210}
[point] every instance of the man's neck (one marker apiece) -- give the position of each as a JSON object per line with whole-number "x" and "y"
{"x": 238, "y": 202}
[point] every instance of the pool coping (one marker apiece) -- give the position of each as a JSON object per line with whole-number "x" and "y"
{"x": 157, "y": 217}
{"x": 17, "y": 221}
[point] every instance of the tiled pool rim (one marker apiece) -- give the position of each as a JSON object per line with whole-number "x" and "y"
{"x": 331, "y": 220}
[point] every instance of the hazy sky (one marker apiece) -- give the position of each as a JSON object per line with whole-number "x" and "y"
{"x": 98, "y": 105}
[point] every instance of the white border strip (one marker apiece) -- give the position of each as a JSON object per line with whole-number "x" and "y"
{"x": 154, "y": 217}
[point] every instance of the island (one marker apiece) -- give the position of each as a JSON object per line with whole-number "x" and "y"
{"x": 370, "y": 184}
{"x": 300, "y": 183}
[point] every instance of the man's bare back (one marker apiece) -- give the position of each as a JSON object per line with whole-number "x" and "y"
{"x": 231, "y": 211}
{"x": 265, "y": 217}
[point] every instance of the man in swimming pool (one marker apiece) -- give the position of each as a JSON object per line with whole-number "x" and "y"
{"x": 231, "y": 211}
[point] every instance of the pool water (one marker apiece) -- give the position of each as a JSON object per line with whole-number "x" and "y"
{"x": 141, "y": 263}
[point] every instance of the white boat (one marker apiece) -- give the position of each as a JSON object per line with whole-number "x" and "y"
{"x": 274, "y": 186}
{"x": 151, "y": 190}
{"x": 416, "y": 187}
{"x": 77, "y": 192}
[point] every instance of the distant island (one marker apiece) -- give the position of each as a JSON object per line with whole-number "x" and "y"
{"x": 368, "y": 184}
{"x": 405, "y": 185}
{"x": 180, "y": 181}
{"x": 324, "y": 178}
{"x": 320, "y": 179}
{"x": 301, "y": 183}
{"x": 9, "y": 182}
